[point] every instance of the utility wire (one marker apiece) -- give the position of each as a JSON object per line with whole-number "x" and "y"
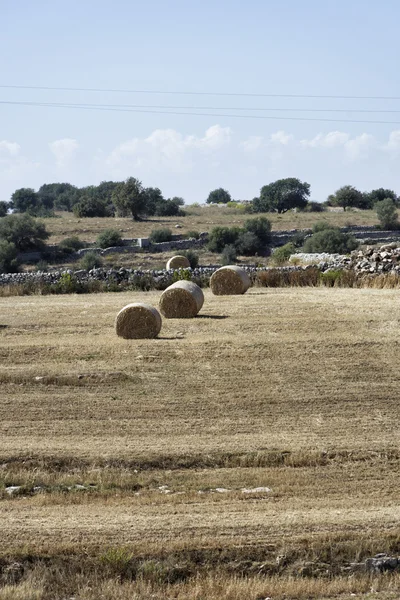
{"x": 205, "y": 114}
{"x": 162, "y": 106}
{"x": 189, "y": 93}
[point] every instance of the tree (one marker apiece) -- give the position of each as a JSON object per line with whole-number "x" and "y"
{"x": 129, "y": 197}
{"x": 25, "y": 200}
{"x": 24, "y": 231}
{"x": 387, "y": 214}
{"x": 374, "y": 196}
{"x": 153, "y": 197}
{"x": 348, "y": 196}
{"x": 3, "y": 208}
{"x": 329, "y": 239}
{"x": 109, "y": 238}
{"x": 223, "y": 236}
{"x": 8, "y": 257}
{"x": 90, "y": 206}
{"x": 219, "y": 196}
{"x": 261, "y": 227}
{"x": 282, "y": 195}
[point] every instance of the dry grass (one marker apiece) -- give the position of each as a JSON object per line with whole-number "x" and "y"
{"x": 197, "y": 218}
{"x": 291, "y": 389}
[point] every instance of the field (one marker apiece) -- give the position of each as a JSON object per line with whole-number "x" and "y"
{"x": 197, "y": 218}
{"x": 138, "y": 461}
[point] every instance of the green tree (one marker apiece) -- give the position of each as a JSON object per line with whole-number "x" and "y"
{"x": 129, "y": 197}
{"x": 374, "y": 196}
{"x": 219, "y": 196}
{"x": 109, "y": 238}
{"x": 90, "y": 206}
{"x": 248, "y": 244}
{"x": 24, "y": 231}
{"x": 387, "y": 214}
{"x": 347, "y": 197}
{"x": 8, "y": 257}
{"x": 330, "y": 239}
{"x": 3, "y": 208}
{"x": 261, "y": 227}
{"x": 282, "y": 195}
{"x": 25, "y": 200}
{"x": 153, "y": 197}
{"x": 223, "y": 236}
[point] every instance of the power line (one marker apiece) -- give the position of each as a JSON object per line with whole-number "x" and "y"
{"x": 205, "y": 114}
{"x": 190, "y": 93}
{"x": 163, "y": 106}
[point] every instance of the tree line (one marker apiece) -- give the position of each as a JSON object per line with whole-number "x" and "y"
{"x": 131, "y": 198}
{"x": 109, "y": 198}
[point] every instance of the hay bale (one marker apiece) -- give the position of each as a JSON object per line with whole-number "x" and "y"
{"x": 178, "y": 262}
{"x": 229, "y": 280}
{"x": 181, "y": 300}
{"x": 138, "y": 321}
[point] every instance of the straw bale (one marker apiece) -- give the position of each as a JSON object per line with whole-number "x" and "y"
{"x": 229, "y": 280}
{"x": 137, "y": 321}
{"x": 178, "y": 262}
{"x": 181, "y": 300}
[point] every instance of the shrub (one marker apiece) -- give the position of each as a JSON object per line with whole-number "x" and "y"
{"x": 193, "y": 234}
{"x": 298, "y": 239}
{"x": 387, "y": 214}
{"x": 24, "y": 231}
{"x": 109, "y": 238}
{"x": 261, "y": 227}
{"x": 3, "y": 208}
{"x": 228, "y": 255}
{"x": 331, "y": 240}
{"x": 248, "y": 244}
{"x": 223, "y": 236}
{"x": 313, "y": 206}
{"x": 91, "y": 260}
{"x": 41, "y": 266}
{"x": 89, "y": 206}
{"x": 8, "y": 257}
{"x": 71, "y": 244}
{"x": 192, "y": 257}
{"x": 282, "y": 254}
{"x": 160, "y": 235}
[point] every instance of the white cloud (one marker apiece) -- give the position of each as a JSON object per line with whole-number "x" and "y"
{"x": 10, "y": 148}
{"x": 281, "y": 137}
{"x": 169, "y": 149}
{"x": 329, "y": 140}
{"x": 360, "y": 146}
{"x": 64, "y": 150}
{"x": 394, "y": 141}
{"x": 253, "y": 143}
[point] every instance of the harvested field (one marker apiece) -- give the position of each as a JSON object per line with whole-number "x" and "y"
{"x": 250, "y": 452}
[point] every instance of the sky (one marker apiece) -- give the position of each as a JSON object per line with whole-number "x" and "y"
{"x": 225, "y": 54}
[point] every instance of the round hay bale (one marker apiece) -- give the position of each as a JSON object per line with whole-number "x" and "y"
{"x": 178, "y": 262}
{"x": 229, "y": 280}
{"x": 138, "y": 321}
{"x": 181, "y": 300}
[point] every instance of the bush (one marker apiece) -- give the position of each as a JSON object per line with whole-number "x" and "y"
{"x": 228, "y": 255}
{"x": 192, "y": 257}
{"x": 313, "y": 206}
{"x": 109, "y": 238}
{"x": 331, "y": 240}
{"x": 193, "y": 234}
{"x": 223, "y": 236}
{"x": 71, "y": 244}
{"x": 41, "y": 266}
{"x": 387, "y": 214}
{"x": 282, "y": 254}
{"x": 3, "y": 208}
{"x": 160, "y": 235}
{"x": 248, "y": 244}
{"x": 261, "y": 227}
{"x": 8, "y": 257}
{"x": 298, "y": 239}
{"x": 91, "y": 260}
{"x": 24, "y": 231}
{"x": 89, "y": 206}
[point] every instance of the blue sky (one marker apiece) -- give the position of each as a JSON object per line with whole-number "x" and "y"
{"x": 303, "y": 47}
